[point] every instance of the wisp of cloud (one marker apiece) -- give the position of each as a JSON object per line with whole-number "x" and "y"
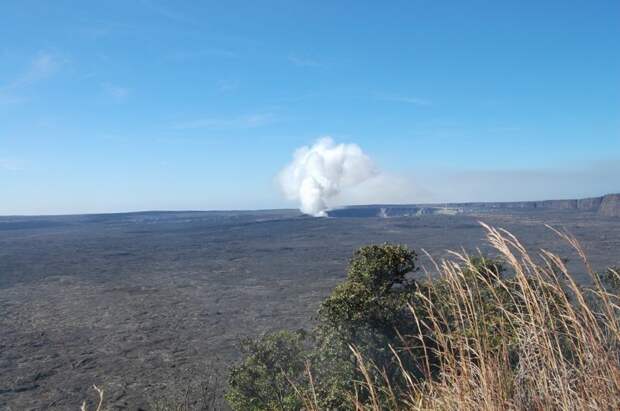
{"x": 320, "y": 172}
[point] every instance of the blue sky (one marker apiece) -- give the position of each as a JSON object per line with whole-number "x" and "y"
{"x": 136, "y": 105}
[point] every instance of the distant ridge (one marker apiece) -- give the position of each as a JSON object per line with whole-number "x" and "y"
{"x": 610, "y": 206}
{"x": 607, "y": 205}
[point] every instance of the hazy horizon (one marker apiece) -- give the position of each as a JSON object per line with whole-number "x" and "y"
{"x": 292, "y": 208}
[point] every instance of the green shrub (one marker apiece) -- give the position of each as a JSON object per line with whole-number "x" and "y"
{"x": 375, "y": 293}
{"x": 368, "y": 311}
{"x": 365, "y": 311}
{"x": 273, "y": 366}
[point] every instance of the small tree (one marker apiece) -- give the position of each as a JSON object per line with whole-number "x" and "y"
{"x": 375, "y": 293}
{"x": 368, "y": 311}
{"x": 272, "y": 366}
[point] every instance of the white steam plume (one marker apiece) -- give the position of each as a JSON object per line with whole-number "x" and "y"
{"x": 321, "y": 172}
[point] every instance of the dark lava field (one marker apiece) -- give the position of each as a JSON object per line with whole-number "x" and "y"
{"x": 143, "y": 304}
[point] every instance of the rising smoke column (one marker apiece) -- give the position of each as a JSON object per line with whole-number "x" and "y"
{"x": 320, "y": 172}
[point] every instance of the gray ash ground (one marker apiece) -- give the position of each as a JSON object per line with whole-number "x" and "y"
{"x": 143, "y": 304}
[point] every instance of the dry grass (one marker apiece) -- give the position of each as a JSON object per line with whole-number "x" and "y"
{"x": 554, "y": 345}
{"x": 203, "y": 394}
{"x": 100, "y": 401}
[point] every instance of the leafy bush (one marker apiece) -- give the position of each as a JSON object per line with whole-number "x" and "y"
{"x": 365, "y": 311}
{"x": 375, "y": 293}
{"x": 368, "y": 310}
{"x": 272, "y": 368}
